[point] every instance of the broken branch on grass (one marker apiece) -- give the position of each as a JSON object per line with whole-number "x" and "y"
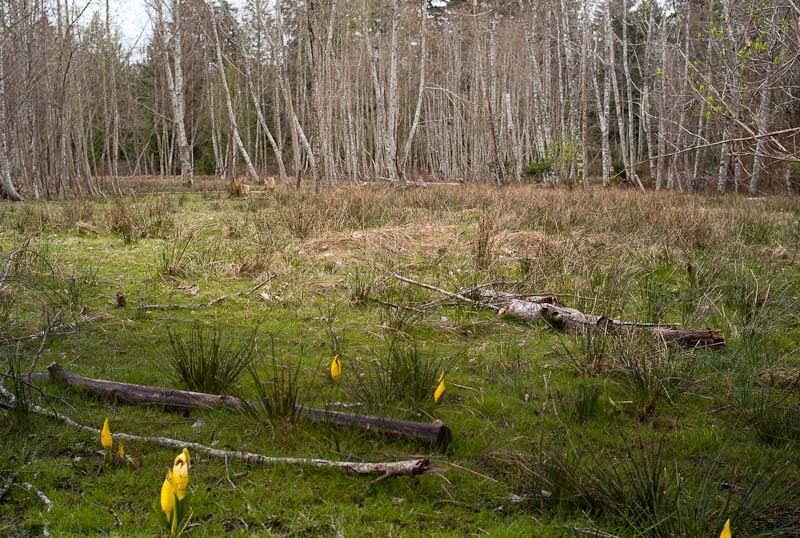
{"x": 45, "y": 499}
{"x": 62, "y": 328}
{"x": 445, "y": 292}
{"x": 7, "y": 485}
{"x": 411, "y": 467}
{"x": 593, "y": 532}
{"x": 212, "y": 302}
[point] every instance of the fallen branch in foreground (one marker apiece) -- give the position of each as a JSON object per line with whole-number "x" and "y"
{"x": 7, "y": 485}
{"x": 45, "y": 499}
{"x": 436, "y": 433}
{"x": 388, "y": 469}
{"x": 533, "y": 308}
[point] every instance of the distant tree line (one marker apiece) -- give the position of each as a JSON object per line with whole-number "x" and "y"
{"x": 688, "y": 95}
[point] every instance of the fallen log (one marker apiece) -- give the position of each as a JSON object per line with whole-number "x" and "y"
{"x": 544, "y": 307}
{"x": 387, "y": 469}
{"x": 435, "y": 433}
{"x": 573, "y": 321}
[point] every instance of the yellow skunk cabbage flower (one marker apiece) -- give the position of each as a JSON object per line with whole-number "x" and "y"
{"x": 167, "y": 497}
{"x": 120, "y": 450}
{"x": 179, "y": 474}
{"x": 105, "y": 436}
{"x": 726, "y": 530}
{"x": 336, "y": 368}
{"x": 439, "y": 389}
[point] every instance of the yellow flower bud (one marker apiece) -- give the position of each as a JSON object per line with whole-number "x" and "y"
{"x": 726, "y": 530}
{"x": 439, "y": 389}
{"x": 336, "y": 368}
{"x": 179, "y": 474}
{"x": 167, "y": 497}
{"x": 105, "y": 436}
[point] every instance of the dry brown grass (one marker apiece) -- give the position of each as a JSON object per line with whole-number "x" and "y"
{"x": 409, "y": 241}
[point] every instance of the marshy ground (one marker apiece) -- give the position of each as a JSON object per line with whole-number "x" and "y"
{"x": 551, "y": 432}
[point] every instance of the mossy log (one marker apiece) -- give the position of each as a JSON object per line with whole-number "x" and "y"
{"x": 435, "y": 433}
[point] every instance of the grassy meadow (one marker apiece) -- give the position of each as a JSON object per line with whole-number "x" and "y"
{"x": 553, "y": 435}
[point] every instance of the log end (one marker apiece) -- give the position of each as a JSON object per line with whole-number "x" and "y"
{"x": 444, "y": 435}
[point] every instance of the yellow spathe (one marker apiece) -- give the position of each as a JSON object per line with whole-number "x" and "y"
{"x": 167, "y": 497}
{"x": 336, "y": 368}
{"x": 105, "y": 436}
{"x": 178, "y": 476}
{"x": 726, "y": 530}
{"x": 440, "y": 388}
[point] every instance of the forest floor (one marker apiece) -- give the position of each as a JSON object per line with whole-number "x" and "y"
{"x": 553, "y": 434}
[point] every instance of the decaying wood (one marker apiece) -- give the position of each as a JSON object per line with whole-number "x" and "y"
{"x": 545, "y": 307}
{"x": 129, "y": 393}
{"x": 436, "y": 433}
{"x": 410, "y": 467}
{"x": 573, "y": 321}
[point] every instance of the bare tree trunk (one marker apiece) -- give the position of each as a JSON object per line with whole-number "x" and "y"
{"x": 229, "y": 104}
{"x": 114, "y": 102}
{"x": 763, "y": 124}
{"x": 722, "y": 176}
{"x": 296, "y": 132}
{"x": 584, "y": 152}
{"x": 263, "y": 122}
{"x": 623, "y": 139}
{"x": 418, "y": 109}
{"x": 485, "y": 94}
{"x": 6, "y": 185}
{"x": 175, "y": 85}
{"x": 603, "y": 114}
{"x": 629, "y": 92}
{"x": 575, "y": 101}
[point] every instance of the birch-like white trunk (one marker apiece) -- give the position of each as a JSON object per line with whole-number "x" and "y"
{"x": 392, "y": 112}
{"x": 623, "y": 138}
{"x": 263, "y": 122}
{"x": 584, "y": 140}
{"x": 629, "y": 93}
{"x": 229, "y": 104}
{"x": 763, "y": 123}
{"x": 603, "y": 107}
{"x": 175, "y": 84}
{"x": 6, "y": 184}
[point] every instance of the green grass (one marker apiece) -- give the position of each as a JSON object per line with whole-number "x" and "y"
{"x": 606, "y": 419}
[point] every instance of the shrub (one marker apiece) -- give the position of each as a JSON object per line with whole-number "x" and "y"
{"x": 208, "y": 361}
{"x": 278, "y": 395}
{"x": 538, "y": 169}
{"x": 405, "y": 374}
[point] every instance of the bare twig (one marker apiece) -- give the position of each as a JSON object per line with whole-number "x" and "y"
{"x": 39, "y": 351}
{"x": 446, "y": 293}
{"x": 62, "y": 328}
{"x": 47, "y": 502}
{"x": 7, "y": 485}
{"x": 212, "y": 302}
{"x": 261, "y": 284}
{"x": 116, "y": 517}
{"x": 593, "y": 532}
